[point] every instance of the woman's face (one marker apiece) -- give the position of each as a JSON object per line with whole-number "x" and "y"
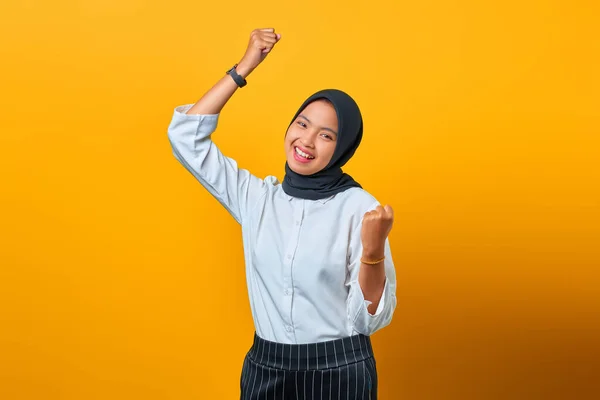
{"x": 310, "y": 140}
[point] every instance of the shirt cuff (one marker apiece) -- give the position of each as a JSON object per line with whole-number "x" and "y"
{"x": 182, "y": 109}
{"x": 381, "y": 301}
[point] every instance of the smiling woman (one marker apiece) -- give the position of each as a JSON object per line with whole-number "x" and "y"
{"x": 315, "y": 148}
{"x": 311, "y": 139}
{"x": 319, "y": 268}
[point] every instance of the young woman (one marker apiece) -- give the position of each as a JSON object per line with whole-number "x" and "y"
{"x": 319, "y": 269}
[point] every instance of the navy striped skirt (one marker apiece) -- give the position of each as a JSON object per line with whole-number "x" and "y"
{"x": 342, "y": 369}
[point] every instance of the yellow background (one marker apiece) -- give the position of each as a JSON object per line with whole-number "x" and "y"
{"x": 121, "y": 278}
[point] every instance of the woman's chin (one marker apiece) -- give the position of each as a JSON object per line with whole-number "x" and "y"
{"x": 300, "y": 169}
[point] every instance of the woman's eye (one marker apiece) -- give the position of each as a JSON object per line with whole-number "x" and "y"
{"x": 302, "y": 124}
{"x": 326, "y": 136}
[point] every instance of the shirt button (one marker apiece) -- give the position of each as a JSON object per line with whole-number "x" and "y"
{"x": 289, "y": 257}
{"x": 287, "y": 292}
{"x": 289, "y": 328}
{"x": 297, "y": 222}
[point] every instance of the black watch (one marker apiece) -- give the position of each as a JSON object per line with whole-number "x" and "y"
{"x": 237, "y": 78}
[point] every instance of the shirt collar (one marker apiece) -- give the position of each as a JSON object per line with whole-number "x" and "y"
{"x": 322, "y": 201}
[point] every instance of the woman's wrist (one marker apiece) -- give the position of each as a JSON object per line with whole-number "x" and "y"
{"x": 243, "y": 69}
{"x": 373, "y": 253}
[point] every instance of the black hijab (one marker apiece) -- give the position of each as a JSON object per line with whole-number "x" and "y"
{"x": 330, "y": 180}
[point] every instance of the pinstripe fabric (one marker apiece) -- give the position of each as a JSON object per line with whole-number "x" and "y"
{"x": 342, "y": 369}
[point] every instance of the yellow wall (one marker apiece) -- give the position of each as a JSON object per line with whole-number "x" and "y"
{"x": 121, "y": 278}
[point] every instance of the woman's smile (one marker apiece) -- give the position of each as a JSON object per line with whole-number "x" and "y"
{"x": 301, "y": 155}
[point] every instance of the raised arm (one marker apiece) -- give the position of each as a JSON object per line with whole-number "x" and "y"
{"x": 372, "y": 275}
{"x": 190, "y": 133}
{"x": 260, "y": 45}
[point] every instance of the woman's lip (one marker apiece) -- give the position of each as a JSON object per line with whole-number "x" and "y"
{"x": 305, "y": 151}
{"x": 301, "y": 159}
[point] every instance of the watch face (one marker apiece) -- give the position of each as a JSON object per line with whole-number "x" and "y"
{"x": 239, "y": 80}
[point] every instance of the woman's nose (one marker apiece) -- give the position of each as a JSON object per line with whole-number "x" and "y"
{"x": 308, "y": 140}
{"x": 307, "y": 143}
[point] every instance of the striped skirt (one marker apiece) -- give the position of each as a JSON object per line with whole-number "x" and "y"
{"x": 342, "y": 369}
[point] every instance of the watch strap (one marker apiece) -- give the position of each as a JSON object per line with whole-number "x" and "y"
{"x": 237, "y": 78}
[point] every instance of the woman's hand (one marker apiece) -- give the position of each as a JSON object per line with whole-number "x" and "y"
{"x": 376, "y": 226}
{"x": 260, "y": 45}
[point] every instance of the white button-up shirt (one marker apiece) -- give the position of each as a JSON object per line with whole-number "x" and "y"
{"x": 302, "y": 256}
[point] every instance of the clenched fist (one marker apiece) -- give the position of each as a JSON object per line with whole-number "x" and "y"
{"x": 376, "y": 226}
{"x": 260, "y": 44}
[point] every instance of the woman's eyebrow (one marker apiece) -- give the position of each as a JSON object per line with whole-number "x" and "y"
{"x": 327, "y": 129}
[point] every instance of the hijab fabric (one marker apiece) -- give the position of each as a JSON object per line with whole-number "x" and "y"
{"x": 330, "y": 180}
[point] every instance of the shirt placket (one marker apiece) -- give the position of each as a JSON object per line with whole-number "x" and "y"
{"x": 288, "y": 282}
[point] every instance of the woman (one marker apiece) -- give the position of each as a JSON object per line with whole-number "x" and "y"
{"x": 319, "y": 269}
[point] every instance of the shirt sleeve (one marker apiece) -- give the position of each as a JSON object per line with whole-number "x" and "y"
{"x": 190, "y": 137}
{"x": 362, "y": 321}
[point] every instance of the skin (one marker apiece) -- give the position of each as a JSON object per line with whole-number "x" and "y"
{"x": 310, "y": 133}
{"x": 314, "y": 132}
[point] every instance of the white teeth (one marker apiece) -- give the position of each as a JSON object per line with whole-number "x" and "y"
{"x": 303, "y": 154}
